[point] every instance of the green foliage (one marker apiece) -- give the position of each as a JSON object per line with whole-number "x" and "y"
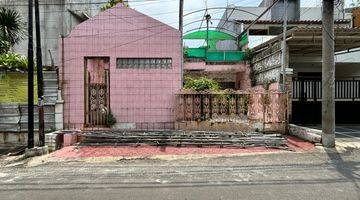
{"x": 110, "y": 119}
{"x": 186, "y": 51}
{"x": 13, "y": 62}
{"x": 201, "y": 84}
{"x": 248, "y": 55}
{"x": 4, "y": 46}
{"x": 110, "y": 4}
{"x": 11, "y": 26}
{"x": 267, "y": 83}
{"x": 245, "y": 101}
{"x": 14, "y": 88}
{"x": 252, "y": 77}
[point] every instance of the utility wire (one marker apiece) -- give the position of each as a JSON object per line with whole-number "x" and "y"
{"x": 123, "y": 44}
{"x": 89, "y": 3}
{"x": 126, "y": 43}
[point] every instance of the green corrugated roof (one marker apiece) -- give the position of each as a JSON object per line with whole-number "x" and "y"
{"x": 213, "y": 35}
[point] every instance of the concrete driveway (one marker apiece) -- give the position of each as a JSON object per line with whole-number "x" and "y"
{"x": 348, "y": 132}
{"x": 346, "y": 135}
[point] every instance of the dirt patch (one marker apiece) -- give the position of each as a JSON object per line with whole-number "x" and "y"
{"x": 105, "y": 154}
{"x": 149, "y": 151}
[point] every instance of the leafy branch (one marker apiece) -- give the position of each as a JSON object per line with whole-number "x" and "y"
{"x": 111, "y": 3}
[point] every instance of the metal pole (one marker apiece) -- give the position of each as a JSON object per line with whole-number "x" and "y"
{"x": 283, "y": 51}
{"x": 181, "y": 28}
{"x": 207, "y": 36}
{"x": 208, "y": 17}
{"x": 30, "y": 78}
{"x": 40, "y": 82}
{"x": 328, "y": 75}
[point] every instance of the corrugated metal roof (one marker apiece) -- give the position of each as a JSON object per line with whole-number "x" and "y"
{"x": 339, "y": 31}
{"x": 302, "y": 39}
{"x": 338, "y": 21}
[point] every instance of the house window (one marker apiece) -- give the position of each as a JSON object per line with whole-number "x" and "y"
{"x": 144, "y": 63}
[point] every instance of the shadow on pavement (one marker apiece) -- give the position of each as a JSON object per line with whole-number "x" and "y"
{"x": 345, "y": 168}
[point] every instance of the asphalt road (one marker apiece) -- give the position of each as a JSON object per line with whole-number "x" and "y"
{"x": 327, "y": 175}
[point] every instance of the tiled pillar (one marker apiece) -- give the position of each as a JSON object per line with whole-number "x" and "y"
{"x": 289, "y": 85}
{"x": 70, "y": 139}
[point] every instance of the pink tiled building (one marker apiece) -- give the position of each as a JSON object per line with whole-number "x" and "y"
{"x": 124, "y": 61}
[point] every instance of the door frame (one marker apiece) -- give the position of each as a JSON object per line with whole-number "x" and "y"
{"x": 86, "y": 90}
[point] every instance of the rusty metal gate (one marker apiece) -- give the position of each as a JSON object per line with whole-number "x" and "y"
{"x": 96, "y": 92}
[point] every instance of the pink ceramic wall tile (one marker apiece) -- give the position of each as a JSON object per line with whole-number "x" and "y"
{"x": 131, "y": 90}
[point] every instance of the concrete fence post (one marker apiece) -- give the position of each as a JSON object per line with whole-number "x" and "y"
{"x": 59, "y": 113}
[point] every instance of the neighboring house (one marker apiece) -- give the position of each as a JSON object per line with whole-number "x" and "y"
{"x": 238, "y": 107}
{"x": 227, "y": 67}
{"x": 124, "y": 61}
{"x": 237, "y": 18}
{"x": 57, "y": 17}
{"x": 304, "y": 64}
{"x": 304, "y": 56}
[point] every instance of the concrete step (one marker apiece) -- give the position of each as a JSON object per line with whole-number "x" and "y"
{"x": 50, "y": 83}
{"x": 50, "y": 80}
{"x": 50, "y": 98}
{"x": 9, "y": 109}
{"x": 50, "y": 90}
{"x": 10, "y": 127}
{"x": 178, "y": 138}
{"x": 49, "y": 74}
{"x": 47, "y": 109}
{"x": 49, "y": 126}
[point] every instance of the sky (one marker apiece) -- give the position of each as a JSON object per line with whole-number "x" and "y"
{"x": 167, "y": 11}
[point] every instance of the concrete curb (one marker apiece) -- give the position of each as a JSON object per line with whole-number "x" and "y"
{"x": 36, "y": 151}
{"x": 307, "y": 134}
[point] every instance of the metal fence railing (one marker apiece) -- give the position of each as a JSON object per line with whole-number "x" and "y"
{"x": 305, "y": 89}
{"x": 231, "y": 106}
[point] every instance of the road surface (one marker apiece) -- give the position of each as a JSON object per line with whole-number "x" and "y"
{"x": 317, "y": 175}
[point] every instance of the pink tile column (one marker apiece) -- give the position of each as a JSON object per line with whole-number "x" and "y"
{"x": 70, "y": 139}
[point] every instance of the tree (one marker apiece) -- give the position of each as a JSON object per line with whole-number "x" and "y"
{"x": 4, "y": 46}
{"x": 11, "y": 28}
{"x": 112, "y": 3}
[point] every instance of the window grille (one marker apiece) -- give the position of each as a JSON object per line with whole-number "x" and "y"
{"x": 144, "y": 63}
